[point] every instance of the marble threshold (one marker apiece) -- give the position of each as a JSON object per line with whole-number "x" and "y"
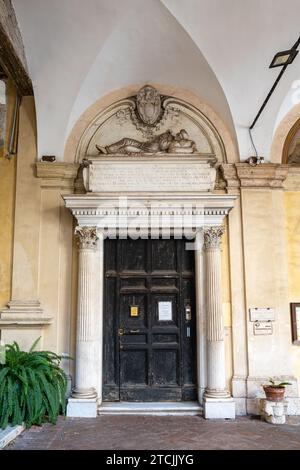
{"x": 188, "y": 408}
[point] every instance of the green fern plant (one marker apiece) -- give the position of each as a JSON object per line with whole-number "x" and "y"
{"x": 32, "y": 387}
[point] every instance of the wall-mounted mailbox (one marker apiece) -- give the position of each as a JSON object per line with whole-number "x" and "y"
{"x": 262, "y": 314}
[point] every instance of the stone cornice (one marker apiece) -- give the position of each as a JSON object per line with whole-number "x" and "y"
{"x": 57, "y": 174}
{"x": 108, "y": 211}
{"x": 243, "y": 175}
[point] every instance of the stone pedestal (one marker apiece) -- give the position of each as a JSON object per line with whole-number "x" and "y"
{"x": 217, "y": 400}
{"x": 82, "y": 408}
{"x": 273, "y": 412}
{"x": 218, "y": 408}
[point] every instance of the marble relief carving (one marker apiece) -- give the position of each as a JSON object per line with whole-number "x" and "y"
{"x": 148, "y": 105}
{"x": 145, "y": 112}
{"x": 86, "y": 237}
{"x": 150, "y": 123}
{"x": 213, "y": 236}
{"x": 162, "y": 143}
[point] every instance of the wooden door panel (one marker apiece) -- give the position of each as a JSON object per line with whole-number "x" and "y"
{"x": 148, "y": 357}
{"x": 132, "y": 322}
{"x": 163, "y": 255}
{"x": 165, "y": 367}
{"x": 134, "y": 367}
{"x": 133, "y": 255}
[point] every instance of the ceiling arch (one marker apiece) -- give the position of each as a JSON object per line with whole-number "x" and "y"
{"x": 79, "y": 51}
{"x": 76, "y": 55}
{"x": 239, "y": 40}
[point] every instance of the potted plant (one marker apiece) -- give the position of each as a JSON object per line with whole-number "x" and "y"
{"x": 275, "y": 391}
{"x": 32, "y": 386}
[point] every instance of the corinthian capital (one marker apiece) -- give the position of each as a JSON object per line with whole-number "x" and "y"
{"x": 86, "y": 237}
{"x": 212, "y": 237}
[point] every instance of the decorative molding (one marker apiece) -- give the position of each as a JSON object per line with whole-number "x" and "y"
{"x": 220, "y": 184}
{"x": 230, "y": 176}
{"x": 24, "y": 313}
{"x": 58, "y": 170}
{"x": 288, "y": 141}
{"x": 212, "y": 237}
{"x": 86, "y": 237}
{"x": 292, "y": 182}
{"x": 108, "y": 212}
{"x": 266, "y": 175}
{"x": 57, "y": 174}
{"x": 243, "y": 175}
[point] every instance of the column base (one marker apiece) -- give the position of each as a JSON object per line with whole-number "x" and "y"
{"x": 218, "y": 408}
{"x": 82, "y": 408}
{"x": 86, "y": 393}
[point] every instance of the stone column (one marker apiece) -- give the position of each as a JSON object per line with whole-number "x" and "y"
{"x": 217, "y": 400}
{"x": 200, "y": 316}
{"x": 83, "y": 402}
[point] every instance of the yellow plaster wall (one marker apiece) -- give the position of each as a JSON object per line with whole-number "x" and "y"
{"x": 292, "y": 206}
{"x": 7, "y": 195}
{"x": 7, "y": 201}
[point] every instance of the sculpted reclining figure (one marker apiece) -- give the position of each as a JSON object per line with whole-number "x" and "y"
{"x": 163, "y": 143}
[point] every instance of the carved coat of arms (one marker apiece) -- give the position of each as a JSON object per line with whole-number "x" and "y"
{"x": 148, "y": 105}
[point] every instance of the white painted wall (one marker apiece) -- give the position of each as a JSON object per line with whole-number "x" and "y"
{"x": 78, "y": 51}
{"x": 239, "y": 40}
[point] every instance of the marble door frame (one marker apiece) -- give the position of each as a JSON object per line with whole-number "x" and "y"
{"x": 90, "y": 212}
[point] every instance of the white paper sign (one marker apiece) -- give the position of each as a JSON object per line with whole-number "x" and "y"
{"x": 164, "y": 311}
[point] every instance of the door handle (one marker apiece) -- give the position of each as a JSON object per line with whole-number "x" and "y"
{"x": 121, "y": 331}
{"x": 134, "y": 331}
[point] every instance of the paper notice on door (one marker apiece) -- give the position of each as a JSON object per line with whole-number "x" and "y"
{"x": 164, "y": 311}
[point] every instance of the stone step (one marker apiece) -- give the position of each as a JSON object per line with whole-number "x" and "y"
{"x": 150, "y": 408}
{"x": 9, "y": 434}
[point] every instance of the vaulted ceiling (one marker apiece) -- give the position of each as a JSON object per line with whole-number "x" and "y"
{"x": 218, "y": 49}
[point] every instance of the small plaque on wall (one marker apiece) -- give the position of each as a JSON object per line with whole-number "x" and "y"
{"x": 164, "y": 311}
{"x": 262, "y": 328}
{"x": 262, "y": 314}
{"x": 134, "y": 311}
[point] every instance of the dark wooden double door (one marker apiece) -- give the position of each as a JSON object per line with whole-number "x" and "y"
{"x": 149, "y": 321}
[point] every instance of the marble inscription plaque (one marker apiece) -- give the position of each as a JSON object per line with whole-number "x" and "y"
{"x": 150, "y": 177}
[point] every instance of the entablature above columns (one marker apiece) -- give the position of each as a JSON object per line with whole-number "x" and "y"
{"x": 140, "y": 214}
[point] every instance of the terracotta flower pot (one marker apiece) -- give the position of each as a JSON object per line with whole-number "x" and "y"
{"x": 274, "y": 393}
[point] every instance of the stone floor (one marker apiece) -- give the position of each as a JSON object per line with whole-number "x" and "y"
{"x": 160, "y": 433}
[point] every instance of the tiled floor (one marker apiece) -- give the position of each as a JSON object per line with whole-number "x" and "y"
{"x": 161, "y": 432}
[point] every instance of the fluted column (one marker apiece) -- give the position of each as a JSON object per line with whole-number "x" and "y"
{"x": 86, "y": 335}
{"x": 214, "y": 322}
{"x": 216, "y": 384}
